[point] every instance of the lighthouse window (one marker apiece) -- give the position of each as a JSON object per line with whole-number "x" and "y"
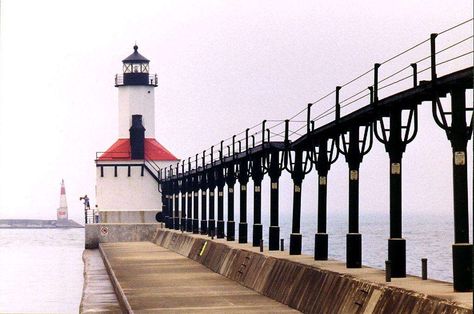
{"x": 135, "y": 68}
{"x": 127, "y": 68}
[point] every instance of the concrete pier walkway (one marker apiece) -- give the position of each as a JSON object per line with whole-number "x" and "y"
{"x": 150, "y": 278}
{"x": 172, "y": 271}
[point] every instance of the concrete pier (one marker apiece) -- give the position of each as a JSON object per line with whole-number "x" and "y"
{"x": 317, "y": 286}
{"x": 150, "y": 278}
{"x": 160, "y": 266}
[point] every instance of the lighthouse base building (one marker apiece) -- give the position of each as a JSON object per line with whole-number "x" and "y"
{"x": 127, "y": 187}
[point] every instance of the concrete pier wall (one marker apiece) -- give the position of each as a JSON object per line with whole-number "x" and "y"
{"x": 115, "y": 232}
{"x": 305, "y": 288}
{"x": 298, "y": 281}
{"x": 128, "y": 216}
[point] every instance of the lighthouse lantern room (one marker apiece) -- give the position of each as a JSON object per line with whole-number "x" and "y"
{"x": 127, "y": 188}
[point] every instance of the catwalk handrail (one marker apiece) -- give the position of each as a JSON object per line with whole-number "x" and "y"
{"x": 365, "y": 115}
{"x": 273, "y": 129}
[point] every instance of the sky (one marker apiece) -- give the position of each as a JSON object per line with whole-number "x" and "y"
{"x": 223, "y": 66}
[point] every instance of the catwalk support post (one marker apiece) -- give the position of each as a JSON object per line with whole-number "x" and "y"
{"x": 183, "y": 199}
{"x": 325, "y": 157}
{"x": 203, "y": 186}
{"x": 164, "y": 199}
{"x": 243, "y": 177}
{"x": 230, "y": 180}
{"x": 297, "y": 175}
{"x": 212, "y": 222}
{"x": 274, "y": 172}
{"x": 177, "y": 185}
{"x": 190, "y": 191}
{"x": 298, "y": 167}
{"x": 196, "y": 184}
{"x": 220, "y": 201}
{"x": 257, "y": 177}
{"x": 354, "y": 150}
{"x": 396, "y": 137}
{"x": 458, "y": 134}
{"x": 321, "y": 237}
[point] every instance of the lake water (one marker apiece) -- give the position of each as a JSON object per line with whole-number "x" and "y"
{"x": 41, "y": 270}
{"x": 426, "y": 237}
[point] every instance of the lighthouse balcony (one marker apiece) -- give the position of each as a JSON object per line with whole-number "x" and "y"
{"x": 136, "y": 79}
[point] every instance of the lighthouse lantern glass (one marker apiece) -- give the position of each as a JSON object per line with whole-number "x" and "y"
{"x": 135, "y": 68}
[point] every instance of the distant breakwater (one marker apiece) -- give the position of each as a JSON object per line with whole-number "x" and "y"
{"x": 37, "y": 224}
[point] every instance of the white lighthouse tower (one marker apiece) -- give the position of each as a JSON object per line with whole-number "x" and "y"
{"x": 127, "y": 188}
{"x": 62, "y": 217}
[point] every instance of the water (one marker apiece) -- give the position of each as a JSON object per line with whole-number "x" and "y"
{"x": 426, "y": 237}
{"x": 41, "y": 270}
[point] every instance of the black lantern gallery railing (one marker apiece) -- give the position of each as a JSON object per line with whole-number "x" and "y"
{"x": 137, "y": 79}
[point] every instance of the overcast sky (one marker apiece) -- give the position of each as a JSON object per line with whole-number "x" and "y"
{"x": 223, "y": 66}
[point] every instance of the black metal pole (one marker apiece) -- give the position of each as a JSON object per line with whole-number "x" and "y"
{"x": 257, "y": 214}
{"x": 171, "y": 210}
{"x": 274, "y": 173}
{"x": 424, "y": 269}
{"x": 396, "y": 244}
{"x": 458, "y": 133}
{"x": 167, "y": 203}
{"x": 203, "y": 210}
{"x": 230, "y": 180}
{"x": 196, "y": 208}
{"x": 220, "y": 206}
{"x": 169, "y": 200}
{"x": 183, "y": 208}
{"x": 189, "y": 221}
{"x": 321, "y": 237}
{"x": 230, "y": 213}
{"x": 243, "y": 232}
{"x": 176, "y": 206}
{"x": 297, "y": 175}
{"x": 212, "y": 221}
{"x": 243, "y": 180}
{"x": 164, "y": 204}
{"x": 462, "y": 256}
{"x": 257, "y": 177}
{"x": 169, "y": 221}
{"x": 354, "y": 238}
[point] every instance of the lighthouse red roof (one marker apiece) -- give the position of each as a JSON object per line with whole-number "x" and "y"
{"x": 120, "y": 150}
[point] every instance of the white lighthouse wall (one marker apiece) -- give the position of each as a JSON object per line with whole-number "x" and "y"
{"x": 127, "y": 199}
{"x": 136, "y": 100}
{"x": 62, "y": 210}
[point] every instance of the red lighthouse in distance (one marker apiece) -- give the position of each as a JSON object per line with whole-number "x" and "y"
{"x": 127, "y": 173}
{"x": 62, "y": 215}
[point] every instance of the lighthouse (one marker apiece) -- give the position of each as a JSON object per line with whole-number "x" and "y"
{"x": 127, "y": 187}
{"x": 62, "y": 216}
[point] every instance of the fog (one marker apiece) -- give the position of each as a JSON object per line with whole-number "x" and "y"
{"x": 222, "y": 66}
